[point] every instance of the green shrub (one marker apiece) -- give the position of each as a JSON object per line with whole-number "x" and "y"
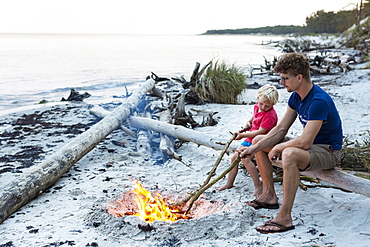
{"x": 221, "y": 83}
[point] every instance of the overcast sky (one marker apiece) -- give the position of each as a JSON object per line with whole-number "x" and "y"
{"x": 155, "y": 16}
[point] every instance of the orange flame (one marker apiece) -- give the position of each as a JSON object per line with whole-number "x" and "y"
{"x": 153, "y": 208}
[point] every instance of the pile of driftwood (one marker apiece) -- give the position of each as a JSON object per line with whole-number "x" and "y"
{"x": 36, "y": 180}
{"x": 324, "y": 58}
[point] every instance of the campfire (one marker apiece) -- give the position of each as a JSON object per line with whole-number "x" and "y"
{"x": 148, "y": 208}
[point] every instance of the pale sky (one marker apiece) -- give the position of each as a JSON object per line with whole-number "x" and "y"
{"x": 155, "y": 16}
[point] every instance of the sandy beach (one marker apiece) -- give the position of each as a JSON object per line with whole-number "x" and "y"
{"x": 73, "y": 211}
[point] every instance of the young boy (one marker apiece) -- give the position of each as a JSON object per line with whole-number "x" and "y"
{"x": 264, "y": 118}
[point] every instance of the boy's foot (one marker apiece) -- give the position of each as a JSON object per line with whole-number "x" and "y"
{"x": 257, "y": 205}
{"x": 225, "y": 187}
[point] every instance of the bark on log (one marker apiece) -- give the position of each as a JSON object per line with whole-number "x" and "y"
{"x": 343, "y": 180}
{"x": 32, "y": 183}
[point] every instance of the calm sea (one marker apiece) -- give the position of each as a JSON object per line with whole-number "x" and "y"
{"x": 45, "y": 67}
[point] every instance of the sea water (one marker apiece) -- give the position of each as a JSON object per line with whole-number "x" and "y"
{"x": 36, "y": 67}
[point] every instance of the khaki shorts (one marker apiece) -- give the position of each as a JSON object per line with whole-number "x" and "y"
{"x": 323, "y": 156}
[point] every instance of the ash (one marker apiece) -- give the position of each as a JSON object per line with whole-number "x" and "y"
{"x": 227, "y": 221}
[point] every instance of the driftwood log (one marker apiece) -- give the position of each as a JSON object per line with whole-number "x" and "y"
{"x": 32, "y": 183}
{"x": 179, "y": 132}
{"x": 343, "y": 180}
{"x": 176, "y": 131}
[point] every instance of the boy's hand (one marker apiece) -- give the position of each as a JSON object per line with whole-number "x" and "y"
{"x": 238, "y": 136}
{"x": 246, "y": 128}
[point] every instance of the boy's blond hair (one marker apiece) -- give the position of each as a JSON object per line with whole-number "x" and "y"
{"x": 268, "y": 94}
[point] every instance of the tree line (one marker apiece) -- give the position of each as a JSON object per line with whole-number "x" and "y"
{"x": 319, "y": 22}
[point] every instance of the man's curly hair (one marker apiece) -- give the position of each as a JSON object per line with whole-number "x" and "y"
{"x": 293, "y": 64}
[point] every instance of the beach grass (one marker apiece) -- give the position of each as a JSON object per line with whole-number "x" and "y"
{"x": 221, "y": 83}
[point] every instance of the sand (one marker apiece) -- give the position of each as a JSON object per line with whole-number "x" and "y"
{"x": 73, "y": 211}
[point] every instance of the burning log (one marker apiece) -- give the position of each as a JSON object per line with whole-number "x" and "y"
{"x": 30, "y": 184}
{"x": 145, "y": 205}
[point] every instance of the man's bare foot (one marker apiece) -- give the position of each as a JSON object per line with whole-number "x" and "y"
{"x": 225, "y": 187}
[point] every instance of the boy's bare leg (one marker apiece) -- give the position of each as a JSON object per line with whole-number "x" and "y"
{"x": 252, "y": 170}
{"x": 231, "y": 175}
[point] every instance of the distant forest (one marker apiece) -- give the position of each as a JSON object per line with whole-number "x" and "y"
{"x": 319, "y": 22}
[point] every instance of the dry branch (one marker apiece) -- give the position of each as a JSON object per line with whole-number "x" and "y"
{"x": 204, "y": 188}
{"x": 213, "y": 170}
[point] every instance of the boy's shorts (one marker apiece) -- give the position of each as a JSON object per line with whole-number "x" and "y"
{"x": 322, "y": 156}
{"x": 246, "y": 144}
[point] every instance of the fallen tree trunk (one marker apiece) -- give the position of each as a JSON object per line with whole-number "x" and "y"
{"x": 343, "y": 180}
{"x": 32, "y": 183}
{"x": 178, "y": 131}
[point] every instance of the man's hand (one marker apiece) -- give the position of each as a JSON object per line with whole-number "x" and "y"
{"x": 275, "y": 153}
{"x": 244, "y": 152}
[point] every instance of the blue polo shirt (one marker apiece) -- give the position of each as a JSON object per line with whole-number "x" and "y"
{"x": 318, "y": 105}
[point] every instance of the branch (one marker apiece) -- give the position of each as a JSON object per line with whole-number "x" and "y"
{"x": 204, "y": 188}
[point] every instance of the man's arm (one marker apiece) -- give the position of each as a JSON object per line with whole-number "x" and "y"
{"x": 275, "y": 135}
{"x": 304, "y": 141}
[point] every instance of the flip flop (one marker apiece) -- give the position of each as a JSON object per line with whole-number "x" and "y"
{"x": 281, "y": 227}
{"x": 257, "y": 205}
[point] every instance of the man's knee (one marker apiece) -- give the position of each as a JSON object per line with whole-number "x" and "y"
{"x": 295, "y": 156}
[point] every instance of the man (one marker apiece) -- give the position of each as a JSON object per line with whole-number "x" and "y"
{"x": 317, "y": 148}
